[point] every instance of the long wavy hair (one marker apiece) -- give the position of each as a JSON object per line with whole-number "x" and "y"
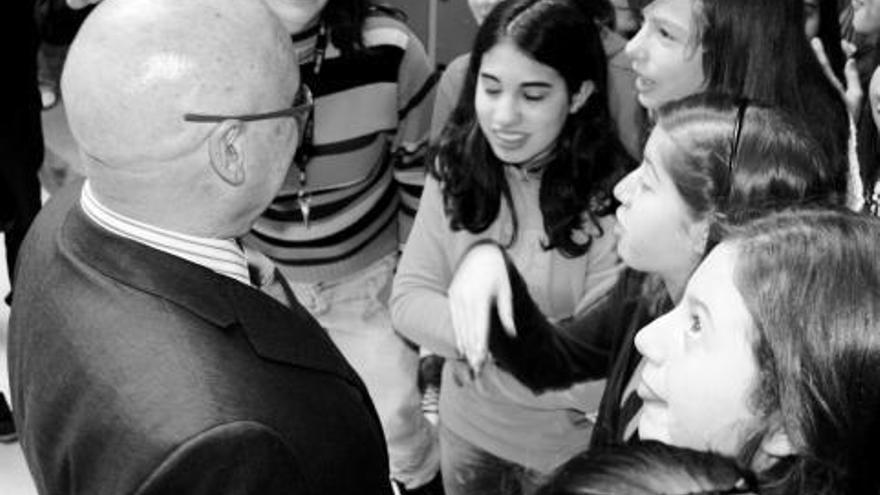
{"x": 756, "y": 49}
{"x": 588, "y": 158}
{"x": 810, "y": 280}
{"x": 734, "y": 160}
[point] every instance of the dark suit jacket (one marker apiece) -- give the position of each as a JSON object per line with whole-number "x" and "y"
{"x": 134, "y": 371}
{"x": 598, "y": 343}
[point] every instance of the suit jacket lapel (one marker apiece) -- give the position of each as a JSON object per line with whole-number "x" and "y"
{"x": 287, "y": 334}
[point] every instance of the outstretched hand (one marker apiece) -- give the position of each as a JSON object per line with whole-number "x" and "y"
{"x": 849, "y": 89}
{"x": 479, "y": 285}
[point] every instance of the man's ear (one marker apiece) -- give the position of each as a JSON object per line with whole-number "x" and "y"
{"x": 582, "y": 95}
{"x": 225, "y": 148}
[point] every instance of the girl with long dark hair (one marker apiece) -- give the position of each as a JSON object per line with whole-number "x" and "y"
{"x": 528, "y": 159}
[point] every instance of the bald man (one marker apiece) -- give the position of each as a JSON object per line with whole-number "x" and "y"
{"x": 142, "y": 359}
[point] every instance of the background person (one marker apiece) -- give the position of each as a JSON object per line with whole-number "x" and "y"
{"x": 344, "y": 212}
{"x": 866, "y": 23}
{"x": 628, "y": 117}
{"x": 750, "y": 49}
{"x": 21, "y": 149}
{"x": 527, "y": 159}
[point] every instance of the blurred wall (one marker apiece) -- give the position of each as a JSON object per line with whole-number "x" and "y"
{"x": 455, "y": 26}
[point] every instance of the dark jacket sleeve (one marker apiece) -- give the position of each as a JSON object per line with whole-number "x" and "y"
{"x": 546, "y": 356}
{"x": 240, "y": 458}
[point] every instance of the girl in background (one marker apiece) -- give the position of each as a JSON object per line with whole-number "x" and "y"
{"x": 625, "y": 111}
{"x": 344, "y": 211}
{"x": 527, "y": 159}
{"x": 752, "y": 49}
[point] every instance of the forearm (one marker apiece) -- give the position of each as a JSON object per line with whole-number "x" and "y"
{"x": 422, "y": 316}
{"x": 419, "y": 306}
{"x": 544, "y": 355}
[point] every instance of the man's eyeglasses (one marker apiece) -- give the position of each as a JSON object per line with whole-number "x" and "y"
{"x": 302, "y": 110}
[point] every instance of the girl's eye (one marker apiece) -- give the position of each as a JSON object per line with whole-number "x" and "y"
{"x": 665, "y": 34}
{"x": 491, "y": 91}
{"x": 534, "y": 96}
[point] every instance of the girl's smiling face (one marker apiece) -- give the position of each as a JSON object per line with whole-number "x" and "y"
{"x": 521, "y": 104}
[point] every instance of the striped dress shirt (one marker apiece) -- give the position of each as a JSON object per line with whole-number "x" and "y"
{"x": 223, "y": 256}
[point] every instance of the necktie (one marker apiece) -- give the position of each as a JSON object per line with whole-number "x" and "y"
{"x": 266, "y": 277}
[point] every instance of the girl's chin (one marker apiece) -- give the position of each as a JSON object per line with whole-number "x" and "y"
{"x": 653, "y": 426}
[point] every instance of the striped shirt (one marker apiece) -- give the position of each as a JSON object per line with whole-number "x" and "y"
{"x": 223, "y": 256}
{"x": 371, "y": 121}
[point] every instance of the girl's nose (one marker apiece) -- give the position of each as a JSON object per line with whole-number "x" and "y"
{"x": 506, "y": 111}
{"x": 634, "y": 46}
{"x": 651, "y": 341}
{"x": 623, "y": 188}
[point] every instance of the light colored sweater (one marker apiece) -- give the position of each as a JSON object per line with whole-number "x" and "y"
{"x": 496, "y": 412}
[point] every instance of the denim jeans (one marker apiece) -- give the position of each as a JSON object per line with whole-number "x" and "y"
{"x": 470, "y": 470}
{"x": 354, "y": 311}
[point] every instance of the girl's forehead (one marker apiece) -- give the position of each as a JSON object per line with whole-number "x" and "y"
{"x": 507, "y": 58}
{"x": 676, "y": 12}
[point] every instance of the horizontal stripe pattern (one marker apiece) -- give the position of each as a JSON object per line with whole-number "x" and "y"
{"x": 223, "y": 256}
{"x": 372, "y": 115}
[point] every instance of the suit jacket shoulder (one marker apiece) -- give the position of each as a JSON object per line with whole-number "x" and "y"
{"x": 242, "y": 457}
{"x": 121, "y": 356}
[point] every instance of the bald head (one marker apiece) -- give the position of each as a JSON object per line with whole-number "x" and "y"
{"x": 136, "y": 66}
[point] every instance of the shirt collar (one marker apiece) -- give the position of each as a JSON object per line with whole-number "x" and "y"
{"x": 223, "y": 256}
